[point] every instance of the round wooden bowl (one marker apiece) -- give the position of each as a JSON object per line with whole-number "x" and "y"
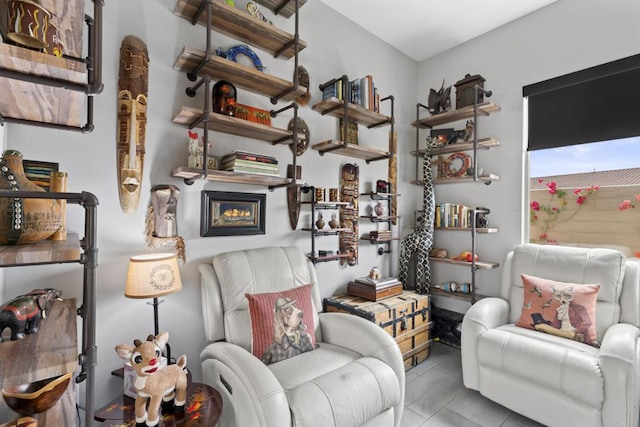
{"x": 36, "y": 397}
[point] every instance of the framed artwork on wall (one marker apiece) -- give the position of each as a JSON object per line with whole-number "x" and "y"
{"x": 232, "y": 214}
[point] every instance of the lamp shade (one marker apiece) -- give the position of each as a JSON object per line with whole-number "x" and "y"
{"x": 152, "y": 275}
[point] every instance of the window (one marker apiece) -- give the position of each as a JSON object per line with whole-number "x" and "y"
{"x": 584, "y": 156}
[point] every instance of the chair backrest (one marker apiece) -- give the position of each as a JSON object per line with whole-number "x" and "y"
{"x": 252, "y": 271}
{"x": 619, "y": 279}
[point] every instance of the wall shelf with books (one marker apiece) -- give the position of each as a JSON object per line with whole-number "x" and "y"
{"x": 362, "y": 109}
{"x": 468, "y": 219}
{"x": 203, "y": 66}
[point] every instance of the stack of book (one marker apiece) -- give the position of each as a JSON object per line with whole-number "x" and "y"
{"x": 361, "y": 91}
{"x": 374, "y": 289}
{"x": 380, "y": 235}
{"x": 251, "y": 163}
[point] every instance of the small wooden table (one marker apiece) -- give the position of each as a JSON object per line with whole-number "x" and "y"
{"x": 203, "y": 408}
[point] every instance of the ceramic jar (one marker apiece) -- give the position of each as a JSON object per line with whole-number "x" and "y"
{"x": 24, "y": 221}
{"x": 320, "y": 221}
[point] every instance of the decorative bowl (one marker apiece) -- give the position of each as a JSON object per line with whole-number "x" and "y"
{"x": 36, "y": 397}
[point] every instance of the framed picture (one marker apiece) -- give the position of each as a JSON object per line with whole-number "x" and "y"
{"x": 232, "y": 214}
{"x": 39, "y": 172}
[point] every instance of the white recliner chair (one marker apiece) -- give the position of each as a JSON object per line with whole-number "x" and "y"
{"x": 355, "y": 377}
{"x": 553, "y": 380}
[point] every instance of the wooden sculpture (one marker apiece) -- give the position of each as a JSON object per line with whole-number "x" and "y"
{"x": 132, "y": 120}
{"x": 349, "y": 192}
{"x": 393, "y": 175}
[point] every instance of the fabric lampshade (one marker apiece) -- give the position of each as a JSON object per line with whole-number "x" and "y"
{"x": 152, "y": 276}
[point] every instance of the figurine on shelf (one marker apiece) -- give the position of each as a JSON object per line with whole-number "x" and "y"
{"x": 464, "y": 134}
{"x": 320, "y": 221}
{"x": 23, "y": 314}
{"x": 333, "y": 223}
{"x": 440, "y": 101}
{"x": 374, "y": 273}
{"x": 379, "y": 209}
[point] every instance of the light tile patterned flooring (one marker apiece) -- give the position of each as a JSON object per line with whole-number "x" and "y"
{"x": 436, "y": 397}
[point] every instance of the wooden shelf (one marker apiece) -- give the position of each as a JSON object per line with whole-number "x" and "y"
{"x": 483, "y": 144}
{"x": 326, "y": 258}
{"x": 351, "y": 150}
{"x": 327, "y": 205}
{"x": 50, "y": 352}
{"x": 468, "y": 229}
{"x": 240, "y": 75}
{"x": 481, "y": 265}
{"x": 378, "y": 241}
{"x": 41, "y": 102}
{"x": 238, "y": 24}
{"x": 379, "y": 218}
{"x": 230, "y": 177}
{"x": 335, "y": 107}
{"x": 452, "y": 116}
{"x": 287, "y": 11}
{"x": 456, "y": 295}
{"x": 234, "y": 126}
{"x": 455, "y": 180}
{"x": 43, "y": 252}
{"x": 380, "y": 196}
{"x": 328, "y": 231}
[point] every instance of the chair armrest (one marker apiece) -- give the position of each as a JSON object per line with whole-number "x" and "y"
{"x": 486, "y": 314}
{"x": 248, "y": 385}
{"x": 619, "y": 363}
{"x": 368, "y": 339}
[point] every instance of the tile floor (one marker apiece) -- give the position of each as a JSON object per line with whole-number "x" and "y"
{"x": 436, "y": 397}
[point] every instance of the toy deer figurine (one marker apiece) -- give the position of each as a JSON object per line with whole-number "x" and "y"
{"x": 153, "y": 381}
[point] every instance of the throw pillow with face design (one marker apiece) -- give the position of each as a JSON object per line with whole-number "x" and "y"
{"x": 281, "y": 324}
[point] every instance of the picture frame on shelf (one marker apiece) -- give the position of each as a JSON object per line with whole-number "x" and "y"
{"x": 232, "y": 214}
{"x": 40, "y": 172}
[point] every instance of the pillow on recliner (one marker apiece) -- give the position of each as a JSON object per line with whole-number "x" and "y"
{"x": 281, "y": 324}
{"x": 567, "y": 310}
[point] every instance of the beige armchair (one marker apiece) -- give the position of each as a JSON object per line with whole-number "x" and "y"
{"x": 355, "y": 377}
{"x": 554, "y": 380}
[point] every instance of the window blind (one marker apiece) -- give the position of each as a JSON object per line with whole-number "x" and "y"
{"x": 597, "y": 104}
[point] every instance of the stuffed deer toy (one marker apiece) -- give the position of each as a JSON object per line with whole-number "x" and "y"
{"x": 153, "y": 382}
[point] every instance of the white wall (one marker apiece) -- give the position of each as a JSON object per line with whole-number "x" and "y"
{"x": 335, "y": 47}
{"x": 566, "y": 36}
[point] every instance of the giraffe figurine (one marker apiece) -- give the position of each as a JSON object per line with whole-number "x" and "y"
{"x": 421, "y": 240}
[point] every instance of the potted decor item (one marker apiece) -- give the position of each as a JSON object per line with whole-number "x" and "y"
{"x": 24, "y": 221}
{"x": 224, "y": 98}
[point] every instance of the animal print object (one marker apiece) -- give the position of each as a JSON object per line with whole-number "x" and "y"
{"x": 420, "y": 241}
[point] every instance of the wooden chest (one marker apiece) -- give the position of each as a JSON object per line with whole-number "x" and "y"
{"x": 405, "y": 317}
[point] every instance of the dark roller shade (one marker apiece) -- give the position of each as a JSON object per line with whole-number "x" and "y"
{"x": 601, "y": 103}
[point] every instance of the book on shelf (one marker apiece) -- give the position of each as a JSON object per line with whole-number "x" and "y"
{"x": 250, "y": 164}
{"x": 249, "y": 170}
{"x": 361, "y": 92}
{"x": 453, "y": 215}
{"x": 378, "y": 283}
{"x": 254, "y": 157}
{"x": 373, "y": 294}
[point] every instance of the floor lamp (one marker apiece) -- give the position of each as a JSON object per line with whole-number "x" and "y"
{"x": 153, "y": 276}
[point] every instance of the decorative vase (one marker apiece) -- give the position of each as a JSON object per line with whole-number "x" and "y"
{"x": 24, "y": 221}
{"x": 224, "y": 98}
{"x": 333, "y": 223}
{"x": 320, "y": 221}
